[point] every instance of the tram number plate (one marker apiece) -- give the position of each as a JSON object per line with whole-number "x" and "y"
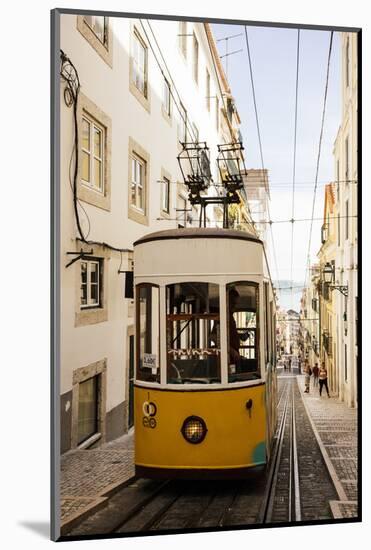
{"x": 150, "y": 362}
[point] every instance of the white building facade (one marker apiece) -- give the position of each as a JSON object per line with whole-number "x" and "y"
{"x": 145, "y": 86}
{"x": 346, "y": 261}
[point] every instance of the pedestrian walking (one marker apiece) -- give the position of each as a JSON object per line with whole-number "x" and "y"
{"x": 322, "y": 375}
{"x": 308, "y": 372}
{"x": 315, "y": 372}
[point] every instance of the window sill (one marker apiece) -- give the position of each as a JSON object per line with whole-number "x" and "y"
{"x": 166, "y": 116}
{"x": 143, "y": 100}
{"x": 137, "y": 216}
{"x": 89, "y": 442}
{"x": 104, "y": 51}
{"x": 93, "y": 197}
{"x": 165, "y": 215}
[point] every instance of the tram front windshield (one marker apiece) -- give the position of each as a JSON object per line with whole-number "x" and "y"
{"x": 193, "y": 333}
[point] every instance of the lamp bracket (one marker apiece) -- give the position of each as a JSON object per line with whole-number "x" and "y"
{"x": 341, "y": 288}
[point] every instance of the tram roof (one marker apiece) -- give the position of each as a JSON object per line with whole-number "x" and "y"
{"x": 198, "y": 233}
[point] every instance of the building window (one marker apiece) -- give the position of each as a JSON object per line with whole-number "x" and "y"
{"x": 88, "y": 409}
{"x": 91, "y": 284}
{"x": 347, "y": 160}
{"x": 99, "y": 26}
{"x": 96, "y": 30}
{"x": 182, "y": 124}
{"x": 217, "y": 113}
{"x": 167, "y": 98}
{"x": 208, "y": 90}
{"x": 94, "y": 167}
{"x": 165, "y": 195}
{"x": 138, "y": 169}
{"x": 138, "y": 189}
{"x": 347, "y": 62}
{"x": 140, "y": 71}
{"x": 195, "y": 58}
{"x": 338, "y": 179}
{"x": 183, "y": 37}
{"x": 346, "y": 220}
{"x": 92, "y": 141}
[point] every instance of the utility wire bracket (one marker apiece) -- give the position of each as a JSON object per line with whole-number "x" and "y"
{"x": 80, "y": 256}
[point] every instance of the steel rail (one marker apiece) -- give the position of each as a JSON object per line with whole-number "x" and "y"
{"x": 295, "y": 462}
{"x": 267, "y": 502}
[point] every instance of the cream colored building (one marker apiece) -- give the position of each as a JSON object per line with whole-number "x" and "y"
{"x": 327, "y": 297}
{"x": 309, "y": 318}
{"x": 146, "y": 86}
{"x": 346, "y": 260}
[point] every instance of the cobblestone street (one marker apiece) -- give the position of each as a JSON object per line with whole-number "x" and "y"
{"x": 89, "y": 476}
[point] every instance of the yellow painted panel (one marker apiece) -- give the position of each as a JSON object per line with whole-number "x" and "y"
{"x": 235, "y": 437}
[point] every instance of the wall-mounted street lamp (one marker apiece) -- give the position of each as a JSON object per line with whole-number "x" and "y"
{"x": 328, "y": 273}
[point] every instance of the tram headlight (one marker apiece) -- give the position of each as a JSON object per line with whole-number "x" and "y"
{"x": 194, "y": 429}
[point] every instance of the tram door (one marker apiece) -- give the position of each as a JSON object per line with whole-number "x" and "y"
{"x": 131, "y": 382}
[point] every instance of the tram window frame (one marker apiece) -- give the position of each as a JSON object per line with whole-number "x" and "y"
{"x": 266, "y": 322}
{"x": 271, "y": 340}
{"x": 242, "y": 372}
{"x": 141, "y": 373}
{"x": 188, "y": 361}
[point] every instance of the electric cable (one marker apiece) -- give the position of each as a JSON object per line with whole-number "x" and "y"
{"x": 260, "y": 143}
{"x": 252, "y": 223}
{"x": 319, "y": 152}
{"x": 294, "y": 160}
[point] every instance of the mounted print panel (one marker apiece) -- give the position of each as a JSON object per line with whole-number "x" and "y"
{"x": 206, "y": 345}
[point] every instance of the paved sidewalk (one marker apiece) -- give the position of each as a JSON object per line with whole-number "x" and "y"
{"x": 335, "y": 427}
{"x": 89, "y": 476}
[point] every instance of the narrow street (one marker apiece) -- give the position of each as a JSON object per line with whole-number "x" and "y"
{"x": 312, "y": 476}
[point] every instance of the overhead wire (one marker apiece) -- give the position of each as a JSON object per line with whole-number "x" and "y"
{"x": 294, "y": 160}
{"x": 319, "y": 152}
{"x": 252, "y": 223}
{"x": 260, "y": 143}
{"x": 271, "y": 222}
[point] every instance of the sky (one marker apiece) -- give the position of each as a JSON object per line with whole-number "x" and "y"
{"x": 274, "y": 59}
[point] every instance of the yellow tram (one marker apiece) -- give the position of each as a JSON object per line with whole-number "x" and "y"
{"x": 205, "y": 385}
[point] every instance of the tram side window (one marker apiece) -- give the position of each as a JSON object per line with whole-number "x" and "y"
{"x": 193, "y": 333}
{"x": 243, "y": 331}
{"x": 148, "y": 334}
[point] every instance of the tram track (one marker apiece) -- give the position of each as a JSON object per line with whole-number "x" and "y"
{"x": 294, "y": 487}
{"x": 281, "y": 502}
